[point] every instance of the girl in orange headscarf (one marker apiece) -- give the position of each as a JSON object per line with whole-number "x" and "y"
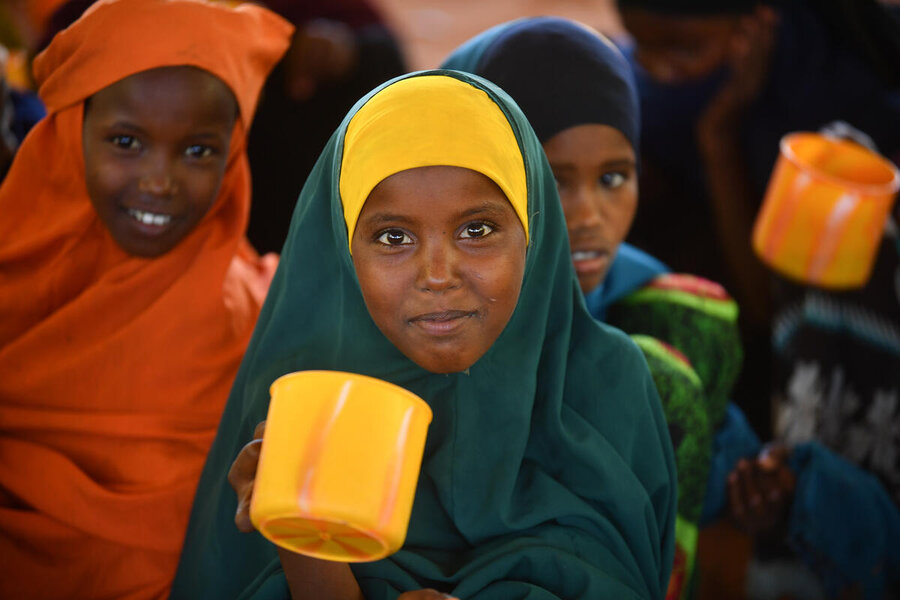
{"x": 127, "y": 291}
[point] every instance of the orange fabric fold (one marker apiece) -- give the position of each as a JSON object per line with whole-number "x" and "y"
{"x": 114, "y": 369}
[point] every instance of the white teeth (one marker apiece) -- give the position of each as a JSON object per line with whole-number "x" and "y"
{"x": 582, "y": 255}
{"x": 149, "y": 218}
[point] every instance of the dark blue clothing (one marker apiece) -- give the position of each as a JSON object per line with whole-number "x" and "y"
{"x": 27, "y": 111}
{"x": 734, "y": 440}
{"x": 19, "y": 111}
{"x": 844, "y": 524}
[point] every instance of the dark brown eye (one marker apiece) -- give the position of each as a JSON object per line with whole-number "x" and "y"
{"x": 476, "y": 230}
{"x": 199, "y": 151}
{"x": 612, "y": 180}
{"x": 125, "y": 142}
{"x": 394, "y": 237}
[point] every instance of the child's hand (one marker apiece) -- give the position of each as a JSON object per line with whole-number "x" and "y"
{"x": 242, "y": 475}
{"x": 760, "y": 492}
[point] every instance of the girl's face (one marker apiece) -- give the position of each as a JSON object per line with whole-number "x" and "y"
{"x": 595, "y": 171}
{"x": 155, "y": 149}
{"x": 440, "y": 256}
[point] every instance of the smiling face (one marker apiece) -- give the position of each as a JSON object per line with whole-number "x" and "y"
{"x": 595, "y": 171}
{"x": 440, "y": 256}
{"x": 155, "y": 149}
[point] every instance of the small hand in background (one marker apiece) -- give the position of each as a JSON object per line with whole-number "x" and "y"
{"x": 242, "y": 475}
{"x": 322, "y": 51}
{"x": 760, "y": 493}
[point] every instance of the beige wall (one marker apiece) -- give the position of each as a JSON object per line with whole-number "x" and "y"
{"x": 430, "y": 29}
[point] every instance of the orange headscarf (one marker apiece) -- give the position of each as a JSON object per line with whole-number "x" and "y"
{"x": 113, "y": 368}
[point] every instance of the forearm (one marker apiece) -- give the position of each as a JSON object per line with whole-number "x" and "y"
{"x": 314, "y": 579}
{"x": 734, "y": 207}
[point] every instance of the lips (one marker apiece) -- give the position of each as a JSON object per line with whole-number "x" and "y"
{"x": 442, "y": 322}
{"x": 149, "y": 222}
{"x": 589, "y": 261}
{"x": 586, "y": 254}
{"x": 149, "y": 218}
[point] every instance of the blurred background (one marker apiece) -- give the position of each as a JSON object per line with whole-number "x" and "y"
{"x": 430, "y": 29}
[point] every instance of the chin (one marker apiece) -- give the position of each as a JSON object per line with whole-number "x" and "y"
{"x": 141, "y": 251}
{"x": 589, "y": 285}
{"x": 435, "y": 363}
{"x": 444, "y": 369}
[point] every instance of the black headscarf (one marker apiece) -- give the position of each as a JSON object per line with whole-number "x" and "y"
{"x": 524, "y": 57}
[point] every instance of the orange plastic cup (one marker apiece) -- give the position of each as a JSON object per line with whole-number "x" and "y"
{"x": 824, "y": 211}
{"x": 339, "y": 464}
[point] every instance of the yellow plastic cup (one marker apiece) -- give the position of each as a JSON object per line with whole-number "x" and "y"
{"x": 339, "y": 464}
{"x": 824, "y": 211}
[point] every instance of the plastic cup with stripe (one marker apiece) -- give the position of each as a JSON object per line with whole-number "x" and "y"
{"x": 825, "y": 210}
{"x": 339, "y": 464}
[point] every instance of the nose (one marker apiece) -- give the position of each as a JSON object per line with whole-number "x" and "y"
{"x": 665, "y": 72}
{"x": 583, "y": 210}
{"x": 158, "y": 177}
{"x": 439, "y": 263}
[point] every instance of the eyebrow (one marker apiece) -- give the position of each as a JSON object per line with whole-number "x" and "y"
{"x": 490, "y": 208}
{"x": 609, "y": 164}
{"x": 122, "y": 124}
{"x": 201, "y": 135}
{"x": 620, "y": 162}
{"x": 382, "y": 217}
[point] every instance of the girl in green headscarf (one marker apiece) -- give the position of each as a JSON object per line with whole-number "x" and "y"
{"x": 428, "y": 249}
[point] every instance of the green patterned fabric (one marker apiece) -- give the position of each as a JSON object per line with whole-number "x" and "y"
{"x": 696, "y": 317}
{"x": 681, "y": 392}
{"x": 548, "y": 470}
{"x": 687, "y": 328}
{"x": 682, "y": 395}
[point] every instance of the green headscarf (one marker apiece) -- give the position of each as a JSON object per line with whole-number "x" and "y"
{"x": 548, "y": 471}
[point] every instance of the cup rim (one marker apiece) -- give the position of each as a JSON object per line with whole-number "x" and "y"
{"x": 889, "y": 187}
{"x": 362, "y": 379}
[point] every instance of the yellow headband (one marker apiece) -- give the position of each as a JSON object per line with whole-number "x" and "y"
{"x": 429, "y": 121}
